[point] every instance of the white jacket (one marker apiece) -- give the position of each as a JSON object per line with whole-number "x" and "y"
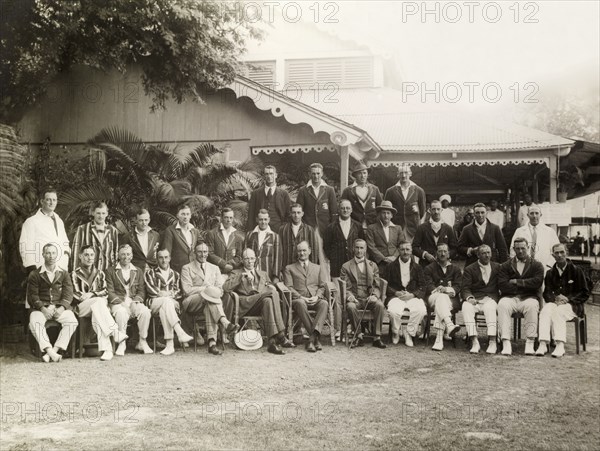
{"x": 38, "y": 230}
{"x": 546, "y": 238}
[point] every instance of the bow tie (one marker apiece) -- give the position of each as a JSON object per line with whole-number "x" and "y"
{"x": 360, "y": 261}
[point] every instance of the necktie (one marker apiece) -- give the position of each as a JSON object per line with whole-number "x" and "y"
{"x": 202, "y": 268}
{"x": 55, "y": 224}
{"x": 533, "y": 241}
{"x": 269, "y": 196}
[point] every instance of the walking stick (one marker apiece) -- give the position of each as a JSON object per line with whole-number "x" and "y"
{"x": 361, "y": 317}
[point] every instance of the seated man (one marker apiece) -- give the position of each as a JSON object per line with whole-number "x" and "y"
{"x": 259, "y": 297}
{"x": 196, "y": 278}
{"x": 443, "y": 280}
{"x": 480, "y": 294}
{"x": 519, "y": 280}
{"x": 164, "y": 293}
{"x": 362, "y": 292}
{"x": 405, "y": 290}
{"x": 90, "y": 298}
{"x": 126, "y": 295}
{"x": 383, "y": 237}
{"x": 566, "y": 289}
{"x": 307, "y": 284}
{"x": 266, "y": 246}
{"x": 50, "y": 293}
{"x": 225, "y": 245}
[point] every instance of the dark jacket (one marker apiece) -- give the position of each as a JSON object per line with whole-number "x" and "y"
{"x": 424, "y": 241}
{"x": 174, "y": 241}
{"x": 115, "y": 285}
{"x": 377, "y": 245}
{"x": 41, "y": 292}
{"x": 434, "y": 277}
{"x": 473, "y": 284}
{"x": 319, "y": 211}
{"x": 221, "y": 253}
{"x": 337, "y": 248}
{"x": 406, "y": 217}
{"x": 528, "y": 284}
{"x": 572, "y": 284}
{"x": 493, "y": 237}
{"x": 368, "y": 212}
{"x": 281, "y": 206}
{"x": 416, "y": 286}
{"x": 140, "y": 260}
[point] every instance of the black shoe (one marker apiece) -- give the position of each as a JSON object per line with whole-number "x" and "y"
{"x": 232, "y": 328}
{"x": 379, "y": 344}
{"x": 212, "y": 349}
{"x": 285, "y": 343}
{"x": 310, "y": 347}
{"x": 318, "y": 346}
{"x": 274, "y": 349}
{"x": 357, "y": 343}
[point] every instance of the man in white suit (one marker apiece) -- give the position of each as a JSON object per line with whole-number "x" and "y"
{"x": 196, "y": 277}
{"x": 541, "y": 238}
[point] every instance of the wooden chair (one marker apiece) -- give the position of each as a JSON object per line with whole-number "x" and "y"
{"x": 580, "y": 323}
{"x": 285, "y": 296}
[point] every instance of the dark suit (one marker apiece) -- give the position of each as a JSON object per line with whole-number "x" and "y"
{"x": 278, "y": 208}
{"x": 307, "y": 283}
{"x": 221, "y": 253}
{"x": 319, "y": 211}
{"x": 417, "y": 283}
{"x": 469, "y": 238}
{"x": 380, "y": 248}
{"x": 406, "y": 217}
{"x": 572, "y": 284}
{"x": 337, "y": 248}
{"x": 257, "y": 298}
{"x": 141, "y": 260}
{"x": 181, "y": 253}
{"x": 424, "y": 241}
{"x": 368, "y": 213}
{"x": 473, "y": 284}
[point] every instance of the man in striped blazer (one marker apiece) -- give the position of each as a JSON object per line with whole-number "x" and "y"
{"x": 90, "y": 300}
{"x": 181, "y": 239}
{"x": 143, "y": 241}
{"x": 294, "y": 232}
{"x": 225, "y": 244}
{"x": 164, "y": 294}
{"x": 266, "y": 245}
{"x": 363, "y": 196}
{"x": 102, "y": 236}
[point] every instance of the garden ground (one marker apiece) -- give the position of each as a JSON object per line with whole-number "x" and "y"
{"x": 337, "y": 399}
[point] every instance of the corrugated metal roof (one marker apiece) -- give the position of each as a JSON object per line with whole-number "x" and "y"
{"x": 401, "y": 124}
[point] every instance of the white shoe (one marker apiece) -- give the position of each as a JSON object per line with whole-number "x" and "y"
{"x": 106, "y": 356}
{"x": 119, "y": 336}
{"x": 492, "y": 346}
{"x": 438, "y": 345}
{"x": 559, "y": 351}
{"x": 121, "y": 348}
{"x": 408, "y": 341}
{"x": 55, "y": 356}
{"x": 529, "y": 350}
{"x": 475, "y": 348}
{"x": 447, "y": 337}
{"x": 184, "y": 338}
{"x": 143, "y": 347}
{"x": 451, "y": 330}
{"x": 169, "y": 349}
{"x": 46, "y": 358}
{"x": 506, "y": 347}
{"x": 395, "y": 338}
{"x": 542, "y": 349}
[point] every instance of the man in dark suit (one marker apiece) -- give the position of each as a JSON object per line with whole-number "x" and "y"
{"x": 271, "y": 198}
{"x": 431, "y": 234}
{"x": 225, "y": 244}
{"x": 258, "y": 296}
{"x": 405, "y": 291}
{"x": 520, "y": 280}
{"x": 143, "y": 241}
{"x": 306, "y": 281}
{"x": 480, "y": 294}
{"x": 126, "y": 296}
{"x": 362, "y": 292}
{"x": 383, "y": 237}
{"x": 181, "y": 239}
{"x": 409, "y": 200}
{"x": 293, "y": 233}
{"x": 318, "y": 200}
{"x": 482, "y": 231}
{"x": 364, "y": 196}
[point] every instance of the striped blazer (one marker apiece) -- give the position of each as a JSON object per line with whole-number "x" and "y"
{"x": 337, "y": 248}
{"x": 155, "y": 283}
{"x": 106, "y": 250}
{"x": 95, "y": 284}
{"x": 268, "y": 256}
{"x": 221, "y": 253}
{"x": 289, "y": 243}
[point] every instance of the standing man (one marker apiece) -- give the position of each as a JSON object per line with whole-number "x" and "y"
{"x": 43, "y": 228}
{"x": 480, "y": 294}
{"x": 164, "y": 294}
{"x": 266, "y": 245}
{"x": 443, "y": 281}
{"x": 405, "y": 291}
{"x": 519, "y": 281}
{"x": 431, "y": 234}
{"x": 181, "y": 239}
{"x": 448, "y": 215}
{"x": 494, "y": 215}
{"x": 540, "y": 236}
{"x": 126, "y": 296}
{"x": 482, "y": 231}
{"x": 50, "y": 294}
{"x": 318, "y": 200}
{"x": 225, "y": 244}
{"x": 293, "y": 233}
{"x": 271, "y": 198}
{"x": 201, "y": 282}
{"x": 306, "y": 282}
{"x": 523, "y": 214}
{"x": 90, "y": 299}
{"x": 102, "y": 236}
{"x": 143, "y": 241}
{"x": 258, "y": 296}
{"x": 363, "y": 196}
{"x": 409, "y": 201}
{"x": 565, "y": 292}
{"x": 383, "y": 237}
{"x": 465, "y": 221}
{"x": 362, "y": 292}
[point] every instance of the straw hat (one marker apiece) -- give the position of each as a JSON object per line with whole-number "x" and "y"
{"x": 248, "y": 340}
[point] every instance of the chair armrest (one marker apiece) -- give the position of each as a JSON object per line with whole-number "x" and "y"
{"x": 383, "y": 288}
{"x": 281, "y": 287}
{"x": 236, "y": 306}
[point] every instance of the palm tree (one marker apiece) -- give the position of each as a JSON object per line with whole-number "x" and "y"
{"x": 128, "y": 173}
{"x": 11, "y": 171}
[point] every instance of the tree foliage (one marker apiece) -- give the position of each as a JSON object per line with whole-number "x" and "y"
{"x": 180, "y": 45}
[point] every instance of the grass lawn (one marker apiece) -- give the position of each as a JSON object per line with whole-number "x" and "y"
{"x": 337, "y": 399}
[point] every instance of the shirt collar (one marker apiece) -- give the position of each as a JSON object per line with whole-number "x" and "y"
{"x": 96, "y": 227}
{"x": 409, "y": 185}
{"x": 52, "y": 215}
{"x": 484, "y": 266}
{"x": 257, "y": 230}
{"x": 43, "y": 269}
{"x": 144, "y": 232}
{"x": 131, "y": 267}
{"x": 479, "y": 226}
{"x": 270, "y": 188}
{"x": 391, "y": 224}
{"x": 309, "y": 184}
{"x": 190, "y": 226}
{"x": 402, "y": 263}
{"x": 359, "y": 261}
{"x": 345, "y": 220}
{"x": 232, "y": 229}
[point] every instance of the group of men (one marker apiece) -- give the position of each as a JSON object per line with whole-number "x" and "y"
{"x": 183, "y": 272}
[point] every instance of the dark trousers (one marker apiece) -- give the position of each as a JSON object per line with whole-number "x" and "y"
{"x": 376, "y": 307}
{"x": 320, "y": 307}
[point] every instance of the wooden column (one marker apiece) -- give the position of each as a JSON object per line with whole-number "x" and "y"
{"x": 344, "y": 166}
{"x": 553, "y": 164}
